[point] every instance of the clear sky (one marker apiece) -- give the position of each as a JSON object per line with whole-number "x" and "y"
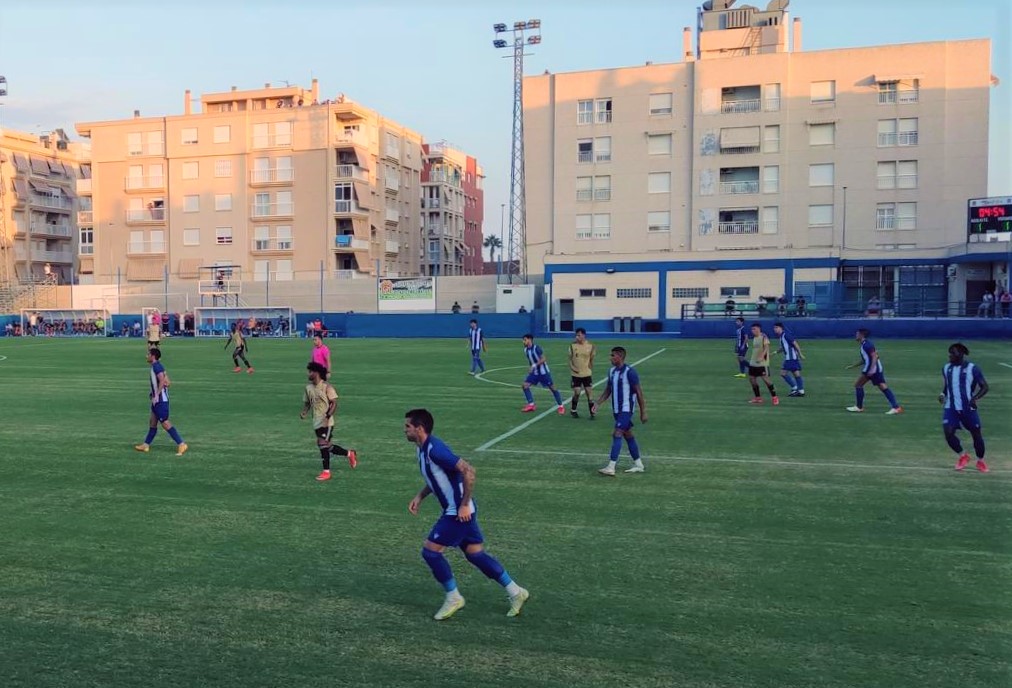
{"x": 427, "y": 64}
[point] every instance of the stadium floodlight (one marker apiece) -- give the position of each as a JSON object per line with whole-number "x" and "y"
{"x": 499, "y": 43}
{"x": 519, "y": 26}
{"x": 533, "y": 40}
{"x": 3, "y": 85}
{"x": 499, "y": 28}
{"x": 533, "y": 23}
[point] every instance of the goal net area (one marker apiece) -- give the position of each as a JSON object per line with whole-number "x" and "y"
{"x": 254, "y": 322}
{"x": 68, "y": 322}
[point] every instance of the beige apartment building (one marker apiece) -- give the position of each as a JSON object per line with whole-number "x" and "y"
{"x": 265, "y": 184}
{"x": 39, "y": 206}
{"x": 452, "y": 211}
{"x": 752, "y": 167}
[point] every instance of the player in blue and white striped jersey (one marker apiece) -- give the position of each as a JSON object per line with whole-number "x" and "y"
{"x": 476, "y": 343}
{"x": 871, "y": 371}
{"x": 741, "y": 346}
{"x": 963, "y": 385}
{"x": 451, "y": 479}
{"x": 790, "y": 371}
{"x": 160, "y": 405}
{"x": 538, "y": 374}
{"x": 624, "y": 391}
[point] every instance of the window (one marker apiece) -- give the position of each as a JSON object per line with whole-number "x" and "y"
{"x": 660, "y": 104}
{"x": 584, "y": 225}
{"x": 584, "y": 111}
{"x": 261, "y": 270}
{"x": 823, "y": 91}
{"x": 771, "y": 139}
{"x": 135, "y": 145}
{"x": 659, "y": 144}
{"x": 222, "y": 133}
{"x": 285, "y": 206}
{"x": 602, "y": 149}
{"x": 223, "y": 236}
{"x": 820, "y": 215}
{"x": 602, "y": 188}
{"x": 635, "y": 293}
{"x": 740, "y": 140}
{"x": 771, "y": 220}
{"x": 771, "y": 97}
{"x": 222, "y": 168}
{"x": 284, "y": 235}
{"x": 890, "y": 92}
{"x": 191, "y": 237}
{"x": 735, "y": 291}
{"x": 820, "y": 175}
{"x": 602, "y": 226}
{"x": 886, "y": 175}
{"x": 261, "y": 238}
{"x": 659, "y": 221}
{"x": 284, "y": 168}
{"x": 659, "y": 182}
{"x": 393, "y": 145}
{"x": 191, "y": 203}
{"x": 283, "y": 133}
{"x": 189, "y": 136}
{"x": 690, "y": 292}
{"x": 771, "y": 179}
{"x": 896, "y": 216}
{"x": 86, "y": 245}
{"x": 897, "y": 175}
{"x": 283, "y": 273}
{"x": 822, "y": 134}
{"x": 223, "y": 201}
{"x": 584, "y": 188}
{"x": 191, "y": 170}
{"x": 593, "y": 293}
{"x": 585, "y": 150}
{"x": 897, "y": 132}
{"x": 886, "y": 132}
{"x": 885, "y": 216}
{"x": 603, "y": 108}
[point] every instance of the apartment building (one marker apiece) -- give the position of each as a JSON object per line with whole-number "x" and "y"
{"x": 272, "y": 184}
{"x": 753, "y": 167}
{"x": 452, "y": 211}
{"x": 39, "y": 205}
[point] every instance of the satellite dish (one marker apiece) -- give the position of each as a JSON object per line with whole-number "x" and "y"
{"x": 777, "y": 5}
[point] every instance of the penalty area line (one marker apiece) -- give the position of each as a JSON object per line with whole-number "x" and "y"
{"x": 545, "y": 414}
{"x": 1007, "y": 365}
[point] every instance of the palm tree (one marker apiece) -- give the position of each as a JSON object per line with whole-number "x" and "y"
{"x": 492, "y": 242}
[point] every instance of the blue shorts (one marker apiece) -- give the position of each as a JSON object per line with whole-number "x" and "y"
{"x": 968, "y": 419}
{"x": 449, "y": 532}
{"x": 543, "y": 380}
{"x": 875, "y": 378}
{"x": 741, "y": 350}
{"x": 792, "y": 366}
{"x": 623, "y": 421}
{"x": 161, "y": 411}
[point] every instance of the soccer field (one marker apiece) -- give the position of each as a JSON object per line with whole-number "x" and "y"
{"x": 777, "y": 547}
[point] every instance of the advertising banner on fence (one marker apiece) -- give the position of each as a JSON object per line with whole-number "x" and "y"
{"x": 407, "y": 294}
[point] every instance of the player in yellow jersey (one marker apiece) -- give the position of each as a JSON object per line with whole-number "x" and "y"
{"x": 581, "y": 368}
{"x": 759, "y": 365}
{"x": 321, "y": 398}
{"x": 237, "y": 340}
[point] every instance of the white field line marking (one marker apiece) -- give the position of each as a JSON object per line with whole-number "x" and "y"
{"x": 764, "y": 462}
{"x": 3, "y": 358}
{"x": 1007, "y": 365}
{"x": 496, "y": 382}
{"x": 545, "y": 414}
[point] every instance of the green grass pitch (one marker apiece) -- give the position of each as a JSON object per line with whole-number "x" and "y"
{"x": 776, "y": 547}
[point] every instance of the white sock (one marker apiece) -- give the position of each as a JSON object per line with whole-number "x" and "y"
{"x": 513, "y": 589}
{"x": 638, "y": 463}
{"x": 612, "y": 464}
{"x": 453, "y": 594}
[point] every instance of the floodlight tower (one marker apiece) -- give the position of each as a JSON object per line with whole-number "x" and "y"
{"x": 525, "y": 33}
{"x": 5, "y": 269}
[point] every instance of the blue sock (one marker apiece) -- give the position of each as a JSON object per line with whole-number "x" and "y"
{"x": 978, "y": 443}
{"x": 789, "y": 380}
{"x": 891, "y": 397}
{"x": 174, "y": 434}
{"x": 859, "y": 395}
{"x": 558, "y": 397}
{"x": 742, "y": 366}
{"x": 616, "y": 447}
{"x": 151, "y": 435}
{"x": 441, "y": 570}
{"x": 529, "y": 396}
{"x": 481, "y": 365}
{"x": 634, "y": 448}
{"x": 474, "y": 364}
{"x": 954, "y": 443}
{"x": 801, "y": 383}
{"x": 488, "y": 565}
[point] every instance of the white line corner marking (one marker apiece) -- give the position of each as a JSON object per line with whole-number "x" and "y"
{"x": 544, "y": 414}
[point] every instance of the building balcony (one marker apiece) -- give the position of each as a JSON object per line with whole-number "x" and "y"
{"x": 771, "y": 226}
{"x": 903, "y": 138}
{"x": 393, "y": 247}
{"x": 273, "y": 245}
{"x": 145, "y": 248}
{"x": 431, "y": 203}
{"x": 46, "y": 229}
{"x": 144, "y": 183}
{"x": 739, "y": 227}
{"x": 272, "y": 141}
{"x": 346, "y": 243}
{"x": 85, "y": 217}
{"x": 739, "y": 150}
{"x": 392, "y": 152}
{"x": 350, "y": 274}
{"x": 86, "y": 249}
{"x": 740, "y": 187}
{"x": 147, "y": 150}
{"x": 83, "y": 187}
{"x": 145, "y": 216}
{"x": 349, "y": 208}
{"x": 351, "y": 138}
{"x": 392, "y": 215}
{"x": 265, "y": 210}
{"x": 45, "y": 256}
{"x": 53, "y": 202}
{"x": 392, "y": 184}
{"x": 437, "y": 230}
{"x": 351, "y": 172}
{"x": 602, "y": 194}
{"x": 271, "y": 175}
{"x": 731, "y": 107}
